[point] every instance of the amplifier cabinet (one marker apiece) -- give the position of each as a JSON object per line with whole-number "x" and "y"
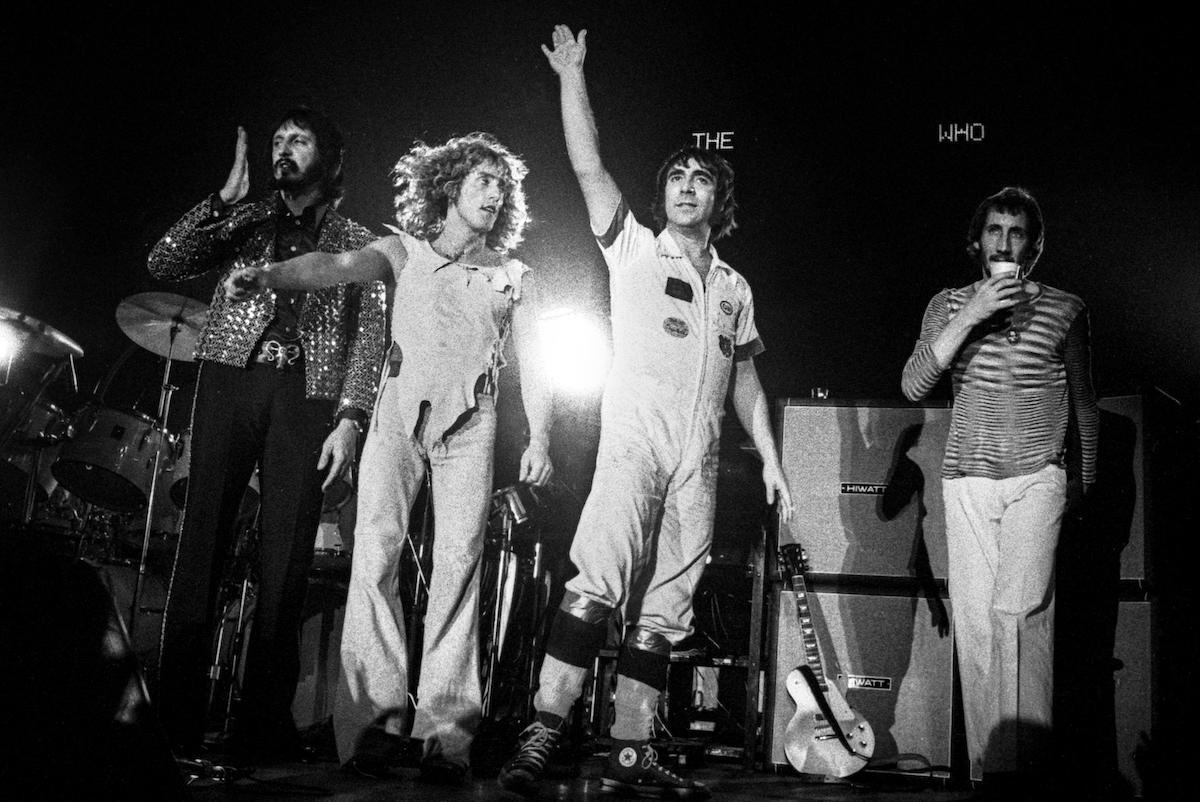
{"x": 866, "y": 486}
{"x": 894, "y": 654}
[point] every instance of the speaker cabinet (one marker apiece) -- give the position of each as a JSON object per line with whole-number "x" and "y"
{"x": 1133, "y": 688}
{"x": 866, "y": 484}
{"x": 894, "y": 653}
{"x": 1120, "y": 493}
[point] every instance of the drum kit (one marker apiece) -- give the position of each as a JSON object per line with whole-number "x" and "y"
{"x": 100, "y": 474}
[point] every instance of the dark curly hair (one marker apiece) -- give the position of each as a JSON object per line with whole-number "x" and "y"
{"x": 1010, "y": 200}
{"x": 724, "y": 204}
{"x": 428, "y": 178}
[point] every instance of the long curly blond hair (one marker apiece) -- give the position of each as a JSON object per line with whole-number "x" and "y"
{"x": 428, "y": 178}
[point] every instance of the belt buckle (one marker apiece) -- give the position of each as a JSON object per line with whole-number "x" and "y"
{"x": 281, "y": 354}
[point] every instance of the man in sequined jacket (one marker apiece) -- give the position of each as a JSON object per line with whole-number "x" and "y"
{"x": 285, "y": 384}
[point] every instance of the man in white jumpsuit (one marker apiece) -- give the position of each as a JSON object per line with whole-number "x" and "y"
{"x": 454, "y": 296}
{"x": 683, "y": 327}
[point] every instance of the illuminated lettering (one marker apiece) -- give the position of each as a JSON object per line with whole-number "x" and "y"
{"x": 713, "y": 140}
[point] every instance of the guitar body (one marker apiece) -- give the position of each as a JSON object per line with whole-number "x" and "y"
{"x": 825, "y": 736}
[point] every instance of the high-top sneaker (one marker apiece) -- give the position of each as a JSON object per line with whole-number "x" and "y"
{"x": 633, "y": 770}
{"x": 535, "y": 745}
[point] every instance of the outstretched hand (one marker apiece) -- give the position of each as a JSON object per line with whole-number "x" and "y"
{"x": 568, "y": 53}
{"x": 238, "y": 182}
{"x": 243, "y": 282}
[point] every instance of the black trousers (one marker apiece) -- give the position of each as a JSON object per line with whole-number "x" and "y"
{"x": 244, "y": 417}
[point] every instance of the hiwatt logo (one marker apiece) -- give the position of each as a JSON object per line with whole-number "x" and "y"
{"x": 863, "y": 489}
{"x": 855, "y": 682}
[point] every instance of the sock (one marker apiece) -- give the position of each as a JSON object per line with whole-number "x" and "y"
{"x": 559, "y": 686}
{"x": 635, "y": 705}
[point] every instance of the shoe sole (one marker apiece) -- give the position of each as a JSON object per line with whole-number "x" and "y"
{"x": 609, "y": 786}
{"x": 518, "y": 782}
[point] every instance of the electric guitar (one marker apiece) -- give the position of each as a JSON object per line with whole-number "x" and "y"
{"x": 825, "y": 736}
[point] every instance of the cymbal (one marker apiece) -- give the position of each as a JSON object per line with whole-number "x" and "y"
{"x": 150, "y": 318}
{"x": 38, "y": 336}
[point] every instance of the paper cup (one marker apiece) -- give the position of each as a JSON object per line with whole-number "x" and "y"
{"x": 1005, "y": 269}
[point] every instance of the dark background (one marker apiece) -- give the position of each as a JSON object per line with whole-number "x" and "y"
{"x": 114, "y": 121}
{"x": 853, "y": 213}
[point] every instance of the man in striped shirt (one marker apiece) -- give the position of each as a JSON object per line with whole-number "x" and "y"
{"x": 1019, "y": 360}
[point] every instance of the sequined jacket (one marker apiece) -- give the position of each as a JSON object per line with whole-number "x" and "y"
{"x": 342, "y": 326}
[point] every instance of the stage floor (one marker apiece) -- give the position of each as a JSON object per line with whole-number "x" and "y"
{"x": 727, "y": 782}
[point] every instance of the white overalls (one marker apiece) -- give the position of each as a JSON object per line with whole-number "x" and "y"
{"x": 449, "y": 322}
{"x": 675, "y": 338}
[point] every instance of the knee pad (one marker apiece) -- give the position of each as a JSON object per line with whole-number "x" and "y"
{"x": 578, "y": 631}
{"x": 644, "y": 657}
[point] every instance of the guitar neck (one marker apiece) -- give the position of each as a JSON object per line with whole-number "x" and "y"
{"x": 808, "y": 632}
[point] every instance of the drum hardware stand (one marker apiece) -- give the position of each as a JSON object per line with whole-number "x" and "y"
{"x": 48, "y": 378}
{"x": 513, "y": 514}
{"x": 540, "y": 586}
{"x": 218, "y": 670}
{"x": 31, "y": 483}
{"x": 164, "y": 407}
{"x": 229, "y": 666}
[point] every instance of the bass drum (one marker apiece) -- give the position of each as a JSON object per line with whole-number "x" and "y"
{"x": 110, "y": 461}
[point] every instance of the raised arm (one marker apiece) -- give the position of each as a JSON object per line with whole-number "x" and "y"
{"x": 600, "y": 192}
{"x": 942, "y": 336}
{"x": 750, "y": 405}
{"x": 204, "y": 237}
{"x": 536, "y": 394}
{"x": 315, "y": 270}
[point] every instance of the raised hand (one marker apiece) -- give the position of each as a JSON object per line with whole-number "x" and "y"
{"x": 568, "y": 53}
{"x": 243, "y": 282}
{"x": 238, "y": 183}
{"x": 993, "y": 295}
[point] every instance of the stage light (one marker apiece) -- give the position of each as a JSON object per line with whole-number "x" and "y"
{"x": 575, "y": 350}
{"x": 10, "y": 344}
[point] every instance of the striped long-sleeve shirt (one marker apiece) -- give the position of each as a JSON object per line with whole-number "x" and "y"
{"x": 1012, "y": 400}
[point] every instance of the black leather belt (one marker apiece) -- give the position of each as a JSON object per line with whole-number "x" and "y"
{"x": 284, "y": 356}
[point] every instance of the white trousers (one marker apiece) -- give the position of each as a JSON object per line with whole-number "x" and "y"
{"x": 373, "y": 684}
{"x": 643, "y": 536}
{"x": 1002, "y": 535}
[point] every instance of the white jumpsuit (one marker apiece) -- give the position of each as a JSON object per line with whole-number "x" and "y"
{"x": 675, "y": 338}
{"x": 449, "y": 322}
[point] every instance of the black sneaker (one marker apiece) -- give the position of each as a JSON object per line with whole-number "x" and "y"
{"x": 633, "y": 770}
{"x": 377, "y": 751}
{"x": 443, "y": 771}
{"x": 535, "y": 745}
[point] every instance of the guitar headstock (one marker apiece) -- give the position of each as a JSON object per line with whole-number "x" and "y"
{"x": 794, "y": 559}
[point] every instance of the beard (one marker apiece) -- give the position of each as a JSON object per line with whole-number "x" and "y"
{"x": 292, "y": 180}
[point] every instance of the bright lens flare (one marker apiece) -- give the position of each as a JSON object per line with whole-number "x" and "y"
{"x": 575, "y": 350}
{"x": 9, "y": 344}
